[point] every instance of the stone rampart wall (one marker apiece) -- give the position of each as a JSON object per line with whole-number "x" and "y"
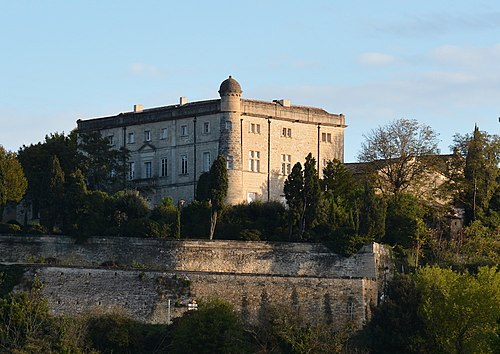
{"x": 285, "y": 259}
{"x": 306, "y": 278}
{"x": 145, "y": 295}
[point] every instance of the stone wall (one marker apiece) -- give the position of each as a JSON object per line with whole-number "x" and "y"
{"x": 307, "y": 278}
{"x": 270, "y": 258}
{"x": 145, "y": 295}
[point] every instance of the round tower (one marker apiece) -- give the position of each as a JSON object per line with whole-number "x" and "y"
{"x": 230, "y": 137}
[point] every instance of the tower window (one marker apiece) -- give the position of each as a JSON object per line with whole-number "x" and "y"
{"x": 326, "y": 137}
{"x": 131, "y": 138}
{"x": 286, "y": 164}
{"x": 229, "y": 162}
{"x": 229, "y": 125}
{"x": 254, "y": 161}
{"x": 147, "y": 135}
{"x": 286, "y": 132}
{"x": 254, "y": 128}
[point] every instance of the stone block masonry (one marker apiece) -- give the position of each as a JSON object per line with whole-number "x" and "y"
{"x": 307, "y": 278}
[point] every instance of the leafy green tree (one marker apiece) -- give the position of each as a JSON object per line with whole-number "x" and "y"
{"x": 475, "y": 174}
{"x": 24, "y": 321}
{"x": 338, "y": 180}
{"x": 311, "y": 194}
{"x": 212, "y": 187}
{"x": 293, "y": 188}
{"x": 373, "y": 212}
{"x": 195, "y": 219}
{"x": 213, "y": 328}
{"x": 461, "y": 311}
{"x": 254, "y": 221}
{"x": 303, "y": 195}
{"x": 53, "y": 204}
{"x": 399, "y": 154}
{"x": 103, "y": 166}
{"x": 403, "y": 214}
{"x": 396, "y": 326}
{"x": 74, "y": 202}
{"x": 13, "y": 183}
{"x": 37, "y": 157}
{"x": 168, "y": 215}
{"x": 131, "y": 204}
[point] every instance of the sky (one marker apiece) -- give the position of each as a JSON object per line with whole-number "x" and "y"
{"x": 374, "y": 61}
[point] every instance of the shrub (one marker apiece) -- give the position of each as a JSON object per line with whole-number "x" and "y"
{"x": 36, "y": 230}
{"x": 9, "y": 228}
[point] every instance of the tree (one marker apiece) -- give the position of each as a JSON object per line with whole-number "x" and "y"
{"x": 396, "y": 326}
{"x": 13, "y": 183}
{"x": 35, "y": 159}
{"x": 293, "y": 187}
{"x": 212, "y": 187}
{"x": 399, "y": 153}
{"x": 103, "y": 166}
{"x": 167, "y": 214}
{"x": 53, "y": 204}
{"x": 303, "y": 194}
{"x": 213, "y": 328}
{"x": 474, "y": 174}
{"x": 461, "y": 312}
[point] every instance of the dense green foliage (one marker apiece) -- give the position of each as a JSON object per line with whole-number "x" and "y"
{"x": 13, "y": 182}
{"x": 438, "y": 310}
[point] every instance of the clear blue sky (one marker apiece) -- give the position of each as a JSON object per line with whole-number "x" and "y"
{"x": 375, "y": 61}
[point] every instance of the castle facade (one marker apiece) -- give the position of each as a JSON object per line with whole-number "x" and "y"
{"x": 171, "y": 146}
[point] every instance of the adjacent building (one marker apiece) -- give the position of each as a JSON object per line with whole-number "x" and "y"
{"x": 171, "y": 146}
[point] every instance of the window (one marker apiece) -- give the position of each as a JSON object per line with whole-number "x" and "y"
{"x": 286, "y": 164}
{"x": 350, "y": 309}
{"x": 184, "y": 164}
{"x": 163, "y": 134}
{"x": 206, "y": 162}
{"x": 286, "y": 132}
{"x": 229, "y": 125}
{"x": 148, "y": 173}
{"x": 111, "y": 139}
{"x": 326, "y": 137}
{"x": 131, "y": 170}
{"x": 206, "y": 128}
{"x": 229, "y": 162}
{"x": 147, "y": 135}
{"x": 131, "y": 138}
{"x": 184, "y": 130}
{"x": 254, "y": 161}
{"x": 254, "y": 128}
{"x": 325, "y": 162}
{"x": 164, "y": 167}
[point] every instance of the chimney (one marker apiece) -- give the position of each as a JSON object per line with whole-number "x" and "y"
{"x": 284, "y": 103}
{"x": 183, "y": 100}
{"x": 138, "y": 108}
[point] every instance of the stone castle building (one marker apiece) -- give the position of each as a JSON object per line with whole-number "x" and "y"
{"x": 171, "y": 146}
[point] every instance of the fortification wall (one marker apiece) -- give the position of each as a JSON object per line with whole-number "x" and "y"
{"x": 306, "y": 278}
{"x": 286, "y": 259}
{"x": 144, "y": 295}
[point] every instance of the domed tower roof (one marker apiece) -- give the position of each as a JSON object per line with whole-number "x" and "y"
{"x": 230, "y": 86}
